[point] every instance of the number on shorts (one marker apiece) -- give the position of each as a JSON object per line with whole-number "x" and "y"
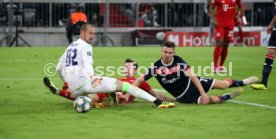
{"x": 203, "y": 79}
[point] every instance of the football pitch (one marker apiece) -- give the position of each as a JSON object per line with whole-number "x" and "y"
{"x": 28, "y": 110}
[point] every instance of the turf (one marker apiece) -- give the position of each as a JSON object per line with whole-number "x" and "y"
{"x": 28, "y": 110}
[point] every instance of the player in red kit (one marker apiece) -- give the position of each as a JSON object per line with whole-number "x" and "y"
{"x": 130, "y": 72}
{"x": 224, "y": 26}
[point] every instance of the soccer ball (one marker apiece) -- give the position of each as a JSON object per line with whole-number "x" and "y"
{"x": 160, "y": 36}
{"x": 82, "y": 104}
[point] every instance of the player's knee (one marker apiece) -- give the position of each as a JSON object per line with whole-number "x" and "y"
{"x": 271, "y": 53}
{"x": 224, "y": 85}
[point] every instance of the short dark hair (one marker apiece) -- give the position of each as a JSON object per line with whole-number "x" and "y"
{"x": 169, "y": 44}
{"x": 128, "y": 60}
{"x": 84, "y": 26}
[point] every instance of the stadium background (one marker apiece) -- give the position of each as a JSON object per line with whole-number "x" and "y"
{"x": 28, "y": 110}
{"x": 42, "y": 22}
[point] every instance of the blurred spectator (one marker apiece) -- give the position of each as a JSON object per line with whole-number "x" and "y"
{"x": 3, "y": 14}
{"x": 262, "y": 11}
{"x": 97, "y": 20}
{"x": 76, "y": 19}
{"x": 2, "y": 10}
{"x": 150, "y": 17}
{"x": 60, "y": 13}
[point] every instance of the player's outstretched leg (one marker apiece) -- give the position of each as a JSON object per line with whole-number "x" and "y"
{"x": 250, "y": 80}
{"x": 50, "y": 85}
{"x": 234, "y": 94}
{"x": 244, "y": 82}
{"x": 64, "y": 92}
{"x": 225, "y": 97}
{"x": 137, "y": 92}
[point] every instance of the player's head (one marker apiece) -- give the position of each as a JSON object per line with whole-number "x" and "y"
{"x": 130, "y": 67}
{"x": 168, "y": 52}
{"x": 87, "y": 32}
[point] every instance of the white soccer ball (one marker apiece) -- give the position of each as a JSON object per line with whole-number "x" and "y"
{"x": 160, "y": 36}
{"x": 82, "y": 104}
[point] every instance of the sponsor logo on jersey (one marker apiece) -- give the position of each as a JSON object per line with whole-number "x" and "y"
{"x": 89, "y": 53}
{"x": 165, "y": 70}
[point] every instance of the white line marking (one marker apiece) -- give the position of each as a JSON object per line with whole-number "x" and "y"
{"x": 252, "y": 104}
{"x": 24, "y": 79}
{"x": 232, "y": 101}
{"x": 239, "y": 102}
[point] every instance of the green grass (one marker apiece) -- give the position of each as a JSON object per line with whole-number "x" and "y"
{"x": 28, "y": 110}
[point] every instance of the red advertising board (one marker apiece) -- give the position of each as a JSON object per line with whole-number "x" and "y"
{"x": 201, "y": 38}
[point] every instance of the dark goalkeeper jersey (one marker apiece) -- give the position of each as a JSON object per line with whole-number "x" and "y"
{"x": 171, "y": 77}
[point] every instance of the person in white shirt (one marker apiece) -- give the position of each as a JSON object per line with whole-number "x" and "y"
{"x": 75, "y": 67}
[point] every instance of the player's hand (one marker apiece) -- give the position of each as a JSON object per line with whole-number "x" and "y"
{"x": 204, "y": 99}
{"x": 244, "y": 21}
{"x": 96, "y": 82}
{"x": 215, "y": 22}
{"x": 269, "y": 29}
{"x": 126, "y": 97}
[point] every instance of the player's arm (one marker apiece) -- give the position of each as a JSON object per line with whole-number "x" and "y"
{"x": 88, "y": 60}
{"x": 192, "y": 76}
{"x": 161, "y": 96}
{"x": 241, "y": 11}
{"x": 60, "y": 66}
{"x": 138, "y": 81}
{"x": 143, "y": 78}
{"x": 212, "y": 14}
{"x": 271, "y": 25}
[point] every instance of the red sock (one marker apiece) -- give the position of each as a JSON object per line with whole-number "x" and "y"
{"x": 101, "y": 97}
{"x": 216, "y": 55}
{"x": 66, "y": 94}
{"x": 224, "y": 52}
{"x": 230, "y": 81}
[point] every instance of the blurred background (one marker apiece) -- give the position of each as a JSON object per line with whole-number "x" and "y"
{"x": 124, "y": 22}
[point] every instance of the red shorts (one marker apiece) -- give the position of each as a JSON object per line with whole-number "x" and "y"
{"x": 102, "y": 96}
{"x": 224, "y": 33}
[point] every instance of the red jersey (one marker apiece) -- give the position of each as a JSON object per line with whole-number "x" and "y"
{"x": 226, "y": 10}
